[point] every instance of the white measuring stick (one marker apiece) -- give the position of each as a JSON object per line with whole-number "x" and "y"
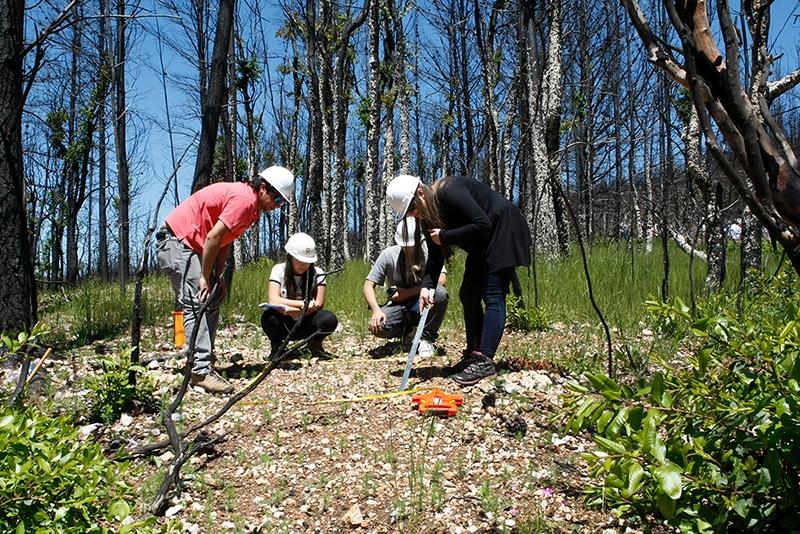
{"x": 414, "y": 344}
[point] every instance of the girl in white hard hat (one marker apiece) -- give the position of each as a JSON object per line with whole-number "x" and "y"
{"x": 402, "y": 267}
{"x": 463, "y": 212}
{"x": 289, "y": 283}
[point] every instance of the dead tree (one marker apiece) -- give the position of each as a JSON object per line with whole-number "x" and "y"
{"x": 215, "y": 97}
{"x": 739, "y": 128}
{"x": 17, "y": 285}
{"x": 373, "y": 193}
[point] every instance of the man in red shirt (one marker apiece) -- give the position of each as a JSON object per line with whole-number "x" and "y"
{"x": 194, "y": 244}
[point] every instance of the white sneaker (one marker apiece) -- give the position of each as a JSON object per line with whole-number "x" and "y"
{"x": 425, "y": 349}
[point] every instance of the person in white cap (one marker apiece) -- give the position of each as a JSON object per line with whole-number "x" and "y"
{"x": 289, "y": 284}
{"x": 194, "y": 243}
{"x": 463, "y": 212}
{"x": 402, "y": 267}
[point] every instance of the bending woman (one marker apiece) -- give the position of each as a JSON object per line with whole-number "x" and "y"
{"x": 462, "y": 212}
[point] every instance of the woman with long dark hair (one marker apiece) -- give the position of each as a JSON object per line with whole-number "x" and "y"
{"x": 463, "y": 212}
{"x": 289, "y": 283}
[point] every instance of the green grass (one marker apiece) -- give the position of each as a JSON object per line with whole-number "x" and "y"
{"x": 621, "y": 282}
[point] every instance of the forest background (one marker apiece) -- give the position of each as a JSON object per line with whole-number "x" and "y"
{"x": 529, "y": 98}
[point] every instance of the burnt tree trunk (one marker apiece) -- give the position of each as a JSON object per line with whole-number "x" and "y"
{"x": 17, "y": 285}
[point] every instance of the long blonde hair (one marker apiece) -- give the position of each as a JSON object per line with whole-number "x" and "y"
{"x": 428, "y": 204}
{"x": 429, "y": 208}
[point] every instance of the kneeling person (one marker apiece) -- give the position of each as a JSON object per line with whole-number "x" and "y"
{"x": 289, "y": 283}
{"x": 402, "y": 267}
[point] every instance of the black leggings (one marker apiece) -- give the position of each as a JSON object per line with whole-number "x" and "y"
{"x": 277, "y": 326}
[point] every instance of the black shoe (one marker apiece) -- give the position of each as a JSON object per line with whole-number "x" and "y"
{"x": 288, "y": 355}
{"x": 476, "y": 368}
{"x": 317, "y": 351}
{"x": 463, "y": 362}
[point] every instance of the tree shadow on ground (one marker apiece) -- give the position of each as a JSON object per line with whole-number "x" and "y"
{"x": 425, "y": 372}
{"x": 390, "y": 348}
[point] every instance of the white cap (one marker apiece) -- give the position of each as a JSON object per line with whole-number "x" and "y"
{"x": 281, "y": 179}
{"x": 400, "y": 191}
{"x": 302, "y": 247}
{"x": 405, "y": 238}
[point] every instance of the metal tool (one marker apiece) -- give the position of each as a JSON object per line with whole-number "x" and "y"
{"x": 414, "y": 344}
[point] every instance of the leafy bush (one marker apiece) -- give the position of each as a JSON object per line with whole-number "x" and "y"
{"x": 113, "y": 393}
{"x": 713, "y": 445}
{"x": 524, "y": 319}
{"x": 52, "y": 482}
{"x": 15, "y": 344}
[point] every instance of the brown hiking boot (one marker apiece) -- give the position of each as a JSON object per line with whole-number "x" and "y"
{"x": 210, "y": 383}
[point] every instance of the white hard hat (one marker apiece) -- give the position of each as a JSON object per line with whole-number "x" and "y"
{"x": 281, "y": 179}
{"x": 405, "y": 238}
{"x": 302, "y": 247}
{"x": 400, "y": 191}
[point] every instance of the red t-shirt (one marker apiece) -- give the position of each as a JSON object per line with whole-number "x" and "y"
{"x": 235, "y": 204}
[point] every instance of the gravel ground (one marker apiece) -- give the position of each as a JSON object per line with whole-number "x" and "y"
{"x": 303, "y": 454}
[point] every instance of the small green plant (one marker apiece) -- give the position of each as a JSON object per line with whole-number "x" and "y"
{"x": 53, "y": 482}
{"x": 23, "y": 339}
{"x": 524, "y": 319}
{"x": 491, "y": 500}
{"x": 112, "y": 392}
{"x": 714, "y": 443}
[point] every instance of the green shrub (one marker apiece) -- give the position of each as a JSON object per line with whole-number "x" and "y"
{"x": 112, "y": 392}
{"x": 52, "y": 482}
{"x": 524, "y": 319}
{"x": 714, "y": 444}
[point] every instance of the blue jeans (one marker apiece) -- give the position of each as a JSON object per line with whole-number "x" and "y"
{"x": 484, "y": 328}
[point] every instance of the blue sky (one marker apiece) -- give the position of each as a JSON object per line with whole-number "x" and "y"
{"x": 147, "y": 97}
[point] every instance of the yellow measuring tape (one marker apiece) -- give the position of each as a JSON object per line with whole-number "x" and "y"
{"x": 355, "y": 399}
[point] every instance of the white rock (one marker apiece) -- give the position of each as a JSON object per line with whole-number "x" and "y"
{"x": 173, "y": 510}
{"x": 87, "y": 430}
{"x": 353, "y": 517}
{"x": 510, "y": 387}
{"x": 534, "y": 380}
{"x": 125, "y": 420}
{"x": 228, "y": 525}
{"x": 177, "y": 416}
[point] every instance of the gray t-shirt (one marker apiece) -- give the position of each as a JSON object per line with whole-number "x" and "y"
{"x": 387, "y": 268}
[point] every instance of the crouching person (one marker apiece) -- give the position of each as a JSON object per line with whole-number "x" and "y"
{"x": 289, "y": 283}
{"x": 402, "y": 266}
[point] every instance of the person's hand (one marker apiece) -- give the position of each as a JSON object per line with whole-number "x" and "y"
{"x": 435, "y": 237}
{"x": 312, "y": 306}
{"x": 202, "y": 286}
{"x": 394, "y": 294}
{"x": 376, "y": 321}
{"x": 425, "y": 298}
